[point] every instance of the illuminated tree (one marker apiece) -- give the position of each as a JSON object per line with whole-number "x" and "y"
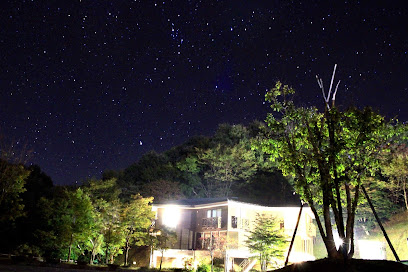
{"x": 329, "y": 154}
{"x": 13, "y": 177}
{"x": 267, "y": 239}
{"x": 108, "y": 208}
{"x": 397, "y": 172}
{"x": 137, "y": 216}
{"x": 68, "y": 221}
{"x": 162, "y": 240}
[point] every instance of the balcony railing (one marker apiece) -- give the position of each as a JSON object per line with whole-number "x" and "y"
{"x": 213, "y": 222}
{"x": 311, "y": 229}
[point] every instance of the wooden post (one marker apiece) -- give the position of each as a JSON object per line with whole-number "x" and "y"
{"x": 379, "y": 223}
{"x": 294, "y": 234}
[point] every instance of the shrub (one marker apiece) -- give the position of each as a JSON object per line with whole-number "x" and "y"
{"x": 204, "y": 268}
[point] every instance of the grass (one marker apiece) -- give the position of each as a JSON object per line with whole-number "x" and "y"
{"x": 397, "y": 231}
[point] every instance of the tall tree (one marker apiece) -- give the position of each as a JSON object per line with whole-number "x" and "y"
{"x": 162, "y": 190}
{"x": 329, "y": 154}
{"x": 113, "y": 231}
{"x": 102, "y": 193}
{"x": 163, "y": 239}
{"x": 267, "y": 240}
{"x": 137, "y": 216}
{"x": 224, "y": 166}
{"x": 396, "y": 169}
{"x": 78, "y": 218}
{"x": 105, "y": 197}
{"x": 214, "y": 171}
{"x": 68, "y": 220}
{"x": 13, "y": 176}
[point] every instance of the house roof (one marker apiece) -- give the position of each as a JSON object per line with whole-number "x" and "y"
{"x": 206, "y": 201}
{"x": 197, "y": 201}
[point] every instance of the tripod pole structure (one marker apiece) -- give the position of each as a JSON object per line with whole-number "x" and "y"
{"x": 294, "y": 234}
{"x": 379, "y": 223}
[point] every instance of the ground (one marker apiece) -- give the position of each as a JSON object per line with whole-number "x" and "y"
{"x": 354, "y": 265}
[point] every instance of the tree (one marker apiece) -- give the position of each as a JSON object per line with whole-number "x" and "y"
{"x": 162, "y": 240}
{"x": 78, "y": 218}
{"x": 102, "y": 193}
{"x": 112, "y": 230}
{"x": 215, "y": 242}
{"x": 137, "y": 216}
{"x": 105, "y": 198}
{"x": 162, "y": 190}
{"x": 219, "y": 168}
{"x": 267, "y": 240}
{"x": 396, "y": 169}
{"x": 12, "y": 180}
{"x": 224, "y": 166}
{"x": 329, "y": 154}
{"x": 68, "y": 218}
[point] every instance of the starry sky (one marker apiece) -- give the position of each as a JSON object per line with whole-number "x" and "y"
{"x": 90, "y": 85}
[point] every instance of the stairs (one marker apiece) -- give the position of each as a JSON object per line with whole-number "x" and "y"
{"x": 247, "y": 264}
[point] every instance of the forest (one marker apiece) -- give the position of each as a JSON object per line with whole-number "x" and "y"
{"x": 104, "y": 218}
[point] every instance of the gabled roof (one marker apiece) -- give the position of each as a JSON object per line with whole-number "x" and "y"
{"x": 196, "y": 201}
{"x": 200, "y": 203}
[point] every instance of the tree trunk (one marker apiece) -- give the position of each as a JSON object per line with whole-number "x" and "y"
{"x": 70, "y": 248}
{"x": 161, "y": 259}
{"x": 212, "y": 261}
{"x": 127, "y": 252}
{"x": 404, "y": 188}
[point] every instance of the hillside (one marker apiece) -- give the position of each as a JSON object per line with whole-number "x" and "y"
{"x": 397, "y": 230}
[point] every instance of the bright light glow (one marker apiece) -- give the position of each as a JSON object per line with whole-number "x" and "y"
{"x": 372, "y": 250}
{"x": 171, "y": 216}
{"x": 298, "y": 257}
{"x": 337, "y": 240}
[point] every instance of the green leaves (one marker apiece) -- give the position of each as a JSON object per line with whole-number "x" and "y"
{"x": 267, "y": 239}
{"x": 12, "y": 182}
{"x": 328, "y": 154}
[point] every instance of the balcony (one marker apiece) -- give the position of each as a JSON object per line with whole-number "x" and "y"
{"x": 213, "y": 222}
{"x": 311, "y": 229}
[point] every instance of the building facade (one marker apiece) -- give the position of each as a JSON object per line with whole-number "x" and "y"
{"x": 221, "y": 226}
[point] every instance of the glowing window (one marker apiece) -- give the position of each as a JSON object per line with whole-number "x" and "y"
{"x": 214, "y": 213}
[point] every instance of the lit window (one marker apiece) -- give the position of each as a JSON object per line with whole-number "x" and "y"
{"x": 214, "y": 213}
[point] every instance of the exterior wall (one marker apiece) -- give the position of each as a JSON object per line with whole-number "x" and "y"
{"x": 195, "y": 227}
{"x": 202, "y": 216}
{"x": 184, "y": 228}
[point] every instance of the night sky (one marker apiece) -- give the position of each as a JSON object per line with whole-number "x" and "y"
{"x": 93, "y": 85}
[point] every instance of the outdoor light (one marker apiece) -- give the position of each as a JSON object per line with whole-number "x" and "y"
{"x": 171, "y": 216}
{"x": 372, "y": 250}
{"x": 337, "y": 240}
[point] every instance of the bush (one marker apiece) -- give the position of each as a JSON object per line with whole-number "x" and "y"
{"x": 204, "y": 268}
{"x": 83, "y": 259}
{"x": 28, "y": 250}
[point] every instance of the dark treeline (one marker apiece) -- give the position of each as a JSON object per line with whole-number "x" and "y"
{"x": 94, "y": 222}
{"x": 224, "y": 165}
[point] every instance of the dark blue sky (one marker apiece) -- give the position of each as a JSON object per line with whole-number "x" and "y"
{"x": 93, "y": 85}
